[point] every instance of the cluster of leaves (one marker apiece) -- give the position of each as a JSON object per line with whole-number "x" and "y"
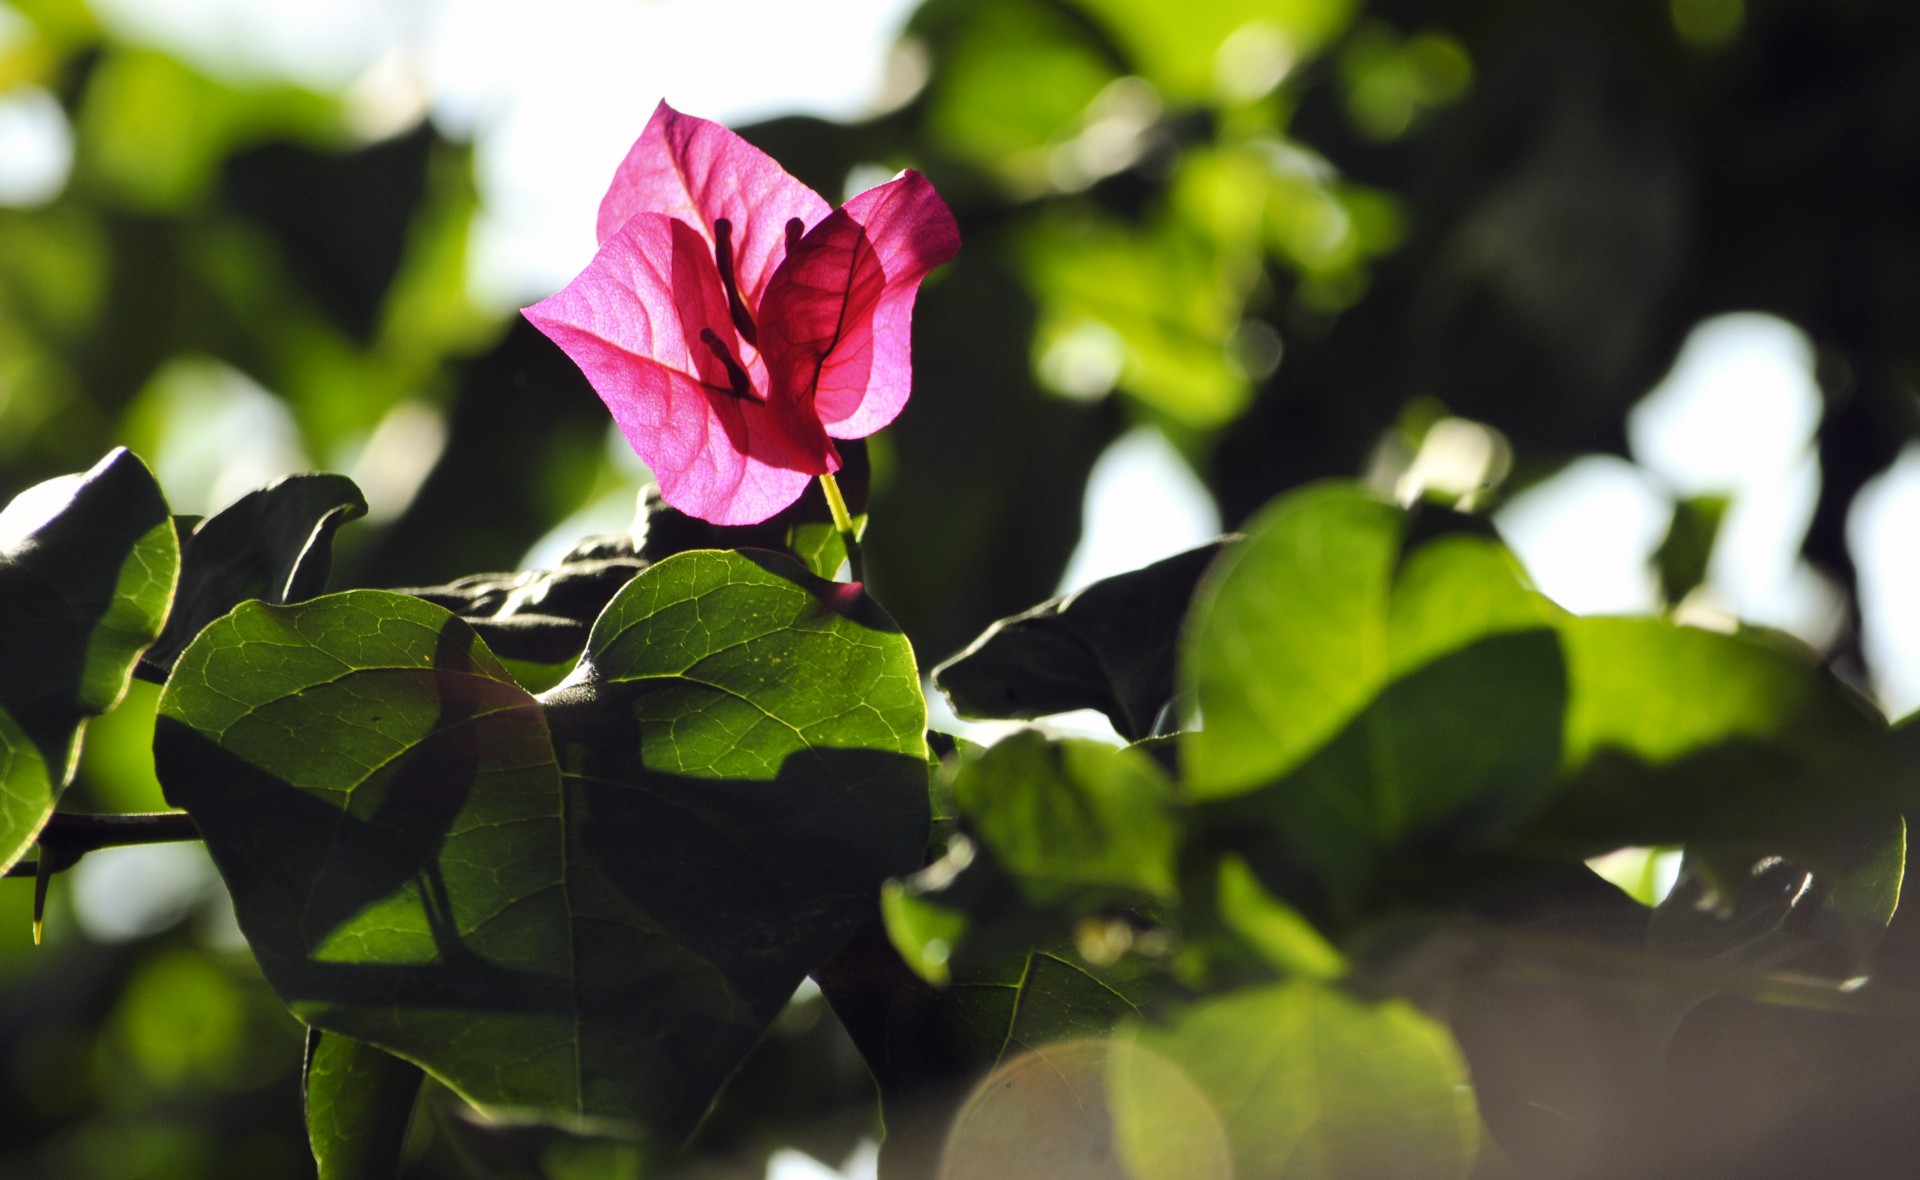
{"x": 1339, "y": 870}
{"x": 588, "y": 903}
{"x": 1393, "y": 759}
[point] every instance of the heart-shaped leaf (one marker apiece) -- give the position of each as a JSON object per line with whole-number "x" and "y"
{"x": 1359, "y": 703}
{"x": 274, "y": 544}
{"x": 589, "y": 904}
{"x": 87, "y": 568}
{"x": 1108, "y": 647}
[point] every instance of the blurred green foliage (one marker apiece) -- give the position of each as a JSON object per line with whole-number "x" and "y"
{"x": 1268, "y": 229}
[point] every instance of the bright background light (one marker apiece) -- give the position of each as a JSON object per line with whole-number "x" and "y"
{"x": 553, "y": 95}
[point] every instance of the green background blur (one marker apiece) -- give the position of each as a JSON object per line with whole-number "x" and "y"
{"x": 1288, "y": 234}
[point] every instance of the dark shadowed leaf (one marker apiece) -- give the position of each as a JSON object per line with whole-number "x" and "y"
{"x": 926, "y": 1045}
{"x": 589, "y": 904}
{"x": 1108, "y": 647}
{"x": 359, "y": 1104}
{"x": 275, "y": 544}
{"x": 542, "y": 616}
{"x": 87, "y": 567}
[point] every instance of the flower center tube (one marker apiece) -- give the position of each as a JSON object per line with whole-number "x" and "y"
{"x": 736, "y": 306}
{"x": 737, "y": 382}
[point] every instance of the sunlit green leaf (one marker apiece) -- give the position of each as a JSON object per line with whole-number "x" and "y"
{"x": 819, "y": 545}
{"x": 1170, "y": 301}
{"x": 155, "y": 131}
{"x": 1306, "y": 1082}
{"x": 1071, "y": 817}
{"x": 87, "y": 568}
{"x": 1225, "y": 48}
{"x": 1370, "y": 703}
{"x": 1289, "y": 642}
{"x": 1271, "y": 929}
{"x": 1676, "y": 734}
{"x": 1015, "y": 79}
{"x": 587, "y": 904}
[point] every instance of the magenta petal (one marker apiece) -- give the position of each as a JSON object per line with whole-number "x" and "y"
{"x": 701, "y": 172}
{"x": 835, "y": 326}
{"x": 632, "y": 322}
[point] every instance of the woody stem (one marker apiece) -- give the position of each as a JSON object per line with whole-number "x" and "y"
{"x": 843, "y": 522}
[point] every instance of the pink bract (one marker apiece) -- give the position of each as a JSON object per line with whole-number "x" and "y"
{"x": 735, "y": 324}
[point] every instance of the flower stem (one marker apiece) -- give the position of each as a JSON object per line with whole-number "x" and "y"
{"x": 843, "y": 522}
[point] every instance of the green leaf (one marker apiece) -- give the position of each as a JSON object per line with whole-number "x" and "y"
{"x": 1155, "y": 309}
{"x": 1288, "y": 643}
{"x": 1306, "y": 1083}
{"x": 1274, "y": 931}
{"x": 1356, "y": 704}
{"x": 588, "y": 904}
{"x": 1108, "y": 647}
{"x": 922, "y": 929}
{"x": 87, "y": 568}
{"x": 925, "y": 1044}
{"x": 819, "y": 545}
{"x": 1072, "y": 818}
{"x": 274, "y": 544}
{"x": 536, "y": 619}
{"x": 1684, "y": 554}
{"x": 1451, "y": 757}
{"x": 1869, "y": 892}
{"x": 1180, "y": 48}
{"x": 1676, "y": 734}
{"x": 1013, "y": 80}
{"x": 359, "y": 1104}
{"x": 27, "y": 791}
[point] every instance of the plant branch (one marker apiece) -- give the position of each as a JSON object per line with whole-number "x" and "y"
{"x": 70, "y": 835}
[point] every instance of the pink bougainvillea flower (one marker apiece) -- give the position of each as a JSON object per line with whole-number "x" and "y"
{"x": 735, "y": 324}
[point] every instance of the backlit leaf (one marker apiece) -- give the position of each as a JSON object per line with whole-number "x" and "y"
{"x": 87, "y": 568}
{"x": 588, "y": 904}
{"x": 359, "y": 1103}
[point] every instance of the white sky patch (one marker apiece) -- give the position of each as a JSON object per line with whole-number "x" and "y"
{"x": 1143, "y": 503}
{"x": 1883, "y": 532}
{"x": 36, "y": 147}
{"x": 1736, "y": 416}
{"x": 322, "y": 46}
{"x": 791, "y": 1164}
{"x": 123, "y": 893}
{"x": 553, "y": 93}
{"x": 557, "y": 93}
{"x": 1586, "y": 534}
